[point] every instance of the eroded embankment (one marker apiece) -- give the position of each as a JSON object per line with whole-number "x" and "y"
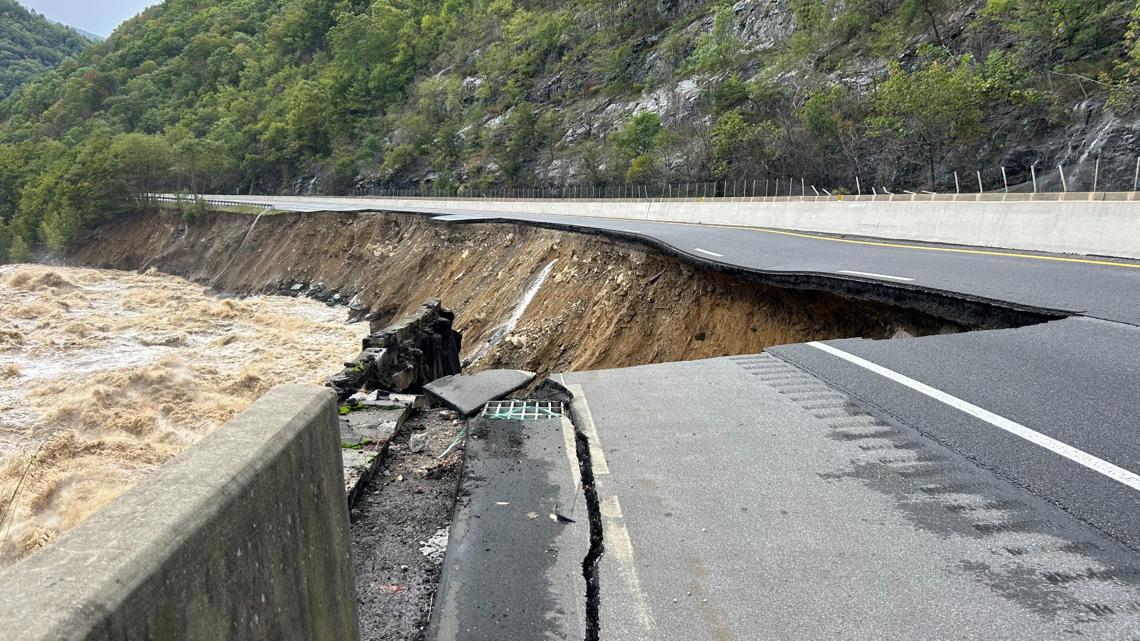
{"x": 604, "y": 304}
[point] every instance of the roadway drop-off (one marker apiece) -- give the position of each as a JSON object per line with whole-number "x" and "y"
{"x": 570, "y": 301}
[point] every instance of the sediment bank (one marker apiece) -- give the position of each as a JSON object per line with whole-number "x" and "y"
{"x": 603, "y": 303}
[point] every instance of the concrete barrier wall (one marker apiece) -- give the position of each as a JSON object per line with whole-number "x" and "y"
{"x": 1091, "y": 224}
{"x": 243, "y": 536}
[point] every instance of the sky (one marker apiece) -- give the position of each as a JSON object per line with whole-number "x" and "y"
{"x": 97, "y": 16}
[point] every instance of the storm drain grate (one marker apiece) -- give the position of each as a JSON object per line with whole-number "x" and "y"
{"x": 522, "y": 410}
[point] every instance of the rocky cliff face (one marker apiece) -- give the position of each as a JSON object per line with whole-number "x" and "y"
{"x": 1076, "y": 131}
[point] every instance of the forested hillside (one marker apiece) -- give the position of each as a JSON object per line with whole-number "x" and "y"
{"x": 327, "y": 95}
{"x": 30, "y": 45}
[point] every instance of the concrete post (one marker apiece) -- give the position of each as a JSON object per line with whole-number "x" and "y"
{"x": 803, "y": 187}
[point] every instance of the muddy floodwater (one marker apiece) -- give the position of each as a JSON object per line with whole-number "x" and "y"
{"x": 104, "y": 375}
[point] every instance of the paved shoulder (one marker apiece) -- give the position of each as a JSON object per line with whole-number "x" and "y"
{"x": 513, "y": 568}
{"x": 744, "y": 498}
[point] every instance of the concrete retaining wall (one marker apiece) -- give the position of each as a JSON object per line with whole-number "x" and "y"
{"x": 1093, "y": 224}
{"x": 243, "y": 536}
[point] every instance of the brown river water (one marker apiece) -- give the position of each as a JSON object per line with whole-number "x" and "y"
{"x": 104, "y": 375}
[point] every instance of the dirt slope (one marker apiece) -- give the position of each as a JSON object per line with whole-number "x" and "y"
{"x": 605, "y": 304}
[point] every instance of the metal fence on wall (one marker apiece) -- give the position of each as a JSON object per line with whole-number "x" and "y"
{"x": 1079, "y": 181}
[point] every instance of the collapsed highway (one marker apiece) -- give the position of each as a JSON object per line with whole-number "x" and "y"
{"x": 952, "y": 485}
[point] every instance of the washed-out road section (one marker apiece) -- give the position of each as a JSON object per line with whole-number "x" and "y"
{"x": 913, "y": 517}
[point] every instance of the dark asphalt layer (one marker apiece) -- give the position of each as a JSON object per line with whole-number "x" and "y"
{"x": 1075, "y": 380}
{"x": 510, "y": 571}
{"x": 1100, "y": 291}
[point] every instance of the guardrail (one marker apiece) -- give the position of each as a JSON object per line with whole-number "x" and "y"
{"x": 163, "y": 198}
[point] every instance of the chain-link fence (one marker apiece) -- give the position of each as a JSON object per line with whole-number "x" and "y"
{"x": 1078, "y": 181}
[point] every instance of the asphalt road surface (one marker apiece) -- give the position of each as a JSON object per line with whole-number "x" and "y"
{"x": 737, "y": 517}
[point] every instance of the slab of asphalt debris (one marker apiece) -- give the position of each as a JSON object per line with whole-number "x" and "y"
{"x": 468, "y": 393}
{"x": 400, "y": 522}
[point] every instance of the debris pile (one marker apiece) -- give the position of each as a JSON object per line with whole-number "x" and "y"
{"x": 403, "y": 357}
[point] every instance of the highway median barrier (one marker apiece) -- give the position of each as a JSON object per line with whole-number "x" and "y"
{"x": 1090, "y": 223}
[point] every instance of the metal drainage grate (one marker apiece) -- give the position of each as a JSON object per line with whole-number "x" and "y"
{"x": 522, "y": 410}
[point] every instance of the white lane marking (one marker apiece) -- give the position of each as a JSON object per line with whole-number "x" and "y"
{"x": 619, "y": 548}
{"x": 705, "y": 251}
{"x": 1080, "y": 457}
{"x": 873, "y": 275}
{"x": 597, "y": 455}
{"x": 570, "y": 443}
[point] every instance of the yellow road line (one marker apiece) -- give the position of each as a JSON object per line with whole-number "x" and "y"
{"x": 952, "y": 250}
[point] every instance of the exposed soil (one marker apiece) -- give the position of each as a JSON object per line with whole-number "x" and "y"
{"x": 605, "y": 304}
{"x": 404, "y": 506}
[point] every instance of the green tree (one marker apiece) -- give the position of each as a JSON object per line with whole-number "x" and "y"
{"x": 198, "y": 161}
{"x": 931, "y": 110}
{"x": 642, "y": 169}
{"x": 144, "y": 162}
{"x": 741, "y": 149}
{"x": 19, "y": 252}
{"x": 5, "y": 240}
{"x": 924, "y": 12}
{"x": 641, "y": 138}
{"x": 643, "y": 134}
{"x": 833, "y": 119}
{"x": 719, "y": 49}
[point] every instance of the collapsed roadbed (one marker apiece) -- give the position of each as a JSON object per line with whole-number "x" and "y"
{"x": 572, "y": 301}
{"x": 526, "y": 297}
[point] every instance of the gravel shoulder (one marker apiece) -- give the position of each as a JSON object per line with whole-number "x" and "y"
{"x": 399, "y": 529}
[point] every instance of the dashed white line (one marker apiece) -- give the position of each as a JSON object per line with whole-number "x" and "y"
{"x": 1080, "y": 457}
{"x": 705, "y": 251}
{"x": 874, "y": 275}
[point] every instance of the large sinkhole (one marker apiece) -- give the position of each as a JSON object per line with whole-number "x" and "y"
{"x": 532, "y": 298}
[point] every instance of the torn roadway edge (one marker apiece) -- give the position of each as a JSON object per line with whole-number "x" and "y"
{"x": 594, "y": 511}
{"x": 978, "y": 312}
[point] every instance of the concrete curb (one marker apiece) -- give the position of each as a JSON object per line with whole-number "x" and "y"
{"x": 243, "y": 536}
